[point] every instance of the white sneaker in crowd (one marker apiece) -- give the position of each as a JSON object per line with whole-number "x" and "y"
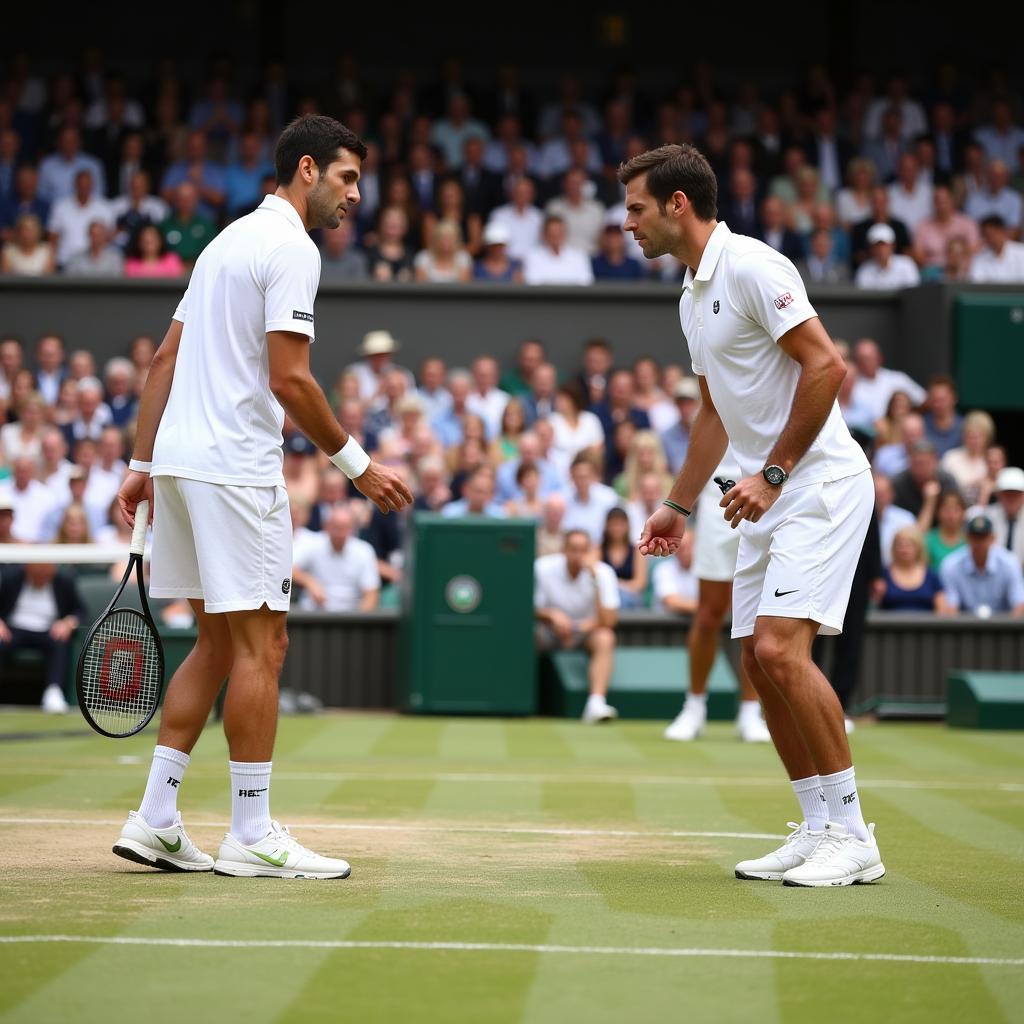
{"x": 597, "y": 709}
{"x": 839, "y": 859}
{"x": 54, "y": 702}
{"x": 799, "y": 845}
{"x": 689, "y": 723}
{"x": 277, "y": 855}
{"x": 167, "y": 848}
{"x": 753, "y": 729}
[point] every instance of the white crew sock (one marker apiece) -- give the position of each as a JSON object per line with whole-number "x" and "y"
{"x": 250, "y": 800}
{"x": 812, "y": 802}
{"x": 697, "y": 703}
{"x": 840, "y": 791}
{"x": 159, "y": 805}
{"x": 749, "y": 709}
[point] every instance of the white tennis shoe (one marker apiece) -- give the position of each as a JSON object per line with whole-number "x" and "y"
{"x": 277, "y": 855}
{"x": 839, "y": 859}
{"x": 799, "y": 845}
{"x": 753, "y": 729}
{"x": 167, "y": 848}
{"x": 597, "y": 709}
{"x": 688, "y": 724}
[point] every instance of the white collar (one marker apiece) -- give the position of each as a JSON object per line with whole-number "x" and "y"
{"x": 282, "y": 206}
{"x": 709, "y": 258}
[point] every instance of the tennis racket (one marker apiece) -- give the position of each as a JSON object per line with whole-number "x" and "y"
{"x": 120, "y": 675}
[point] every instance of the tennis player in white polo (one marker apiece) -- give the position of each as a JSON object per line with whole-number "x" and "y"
{"x": 208, "y": 447}
{"x": 769, "y": 375}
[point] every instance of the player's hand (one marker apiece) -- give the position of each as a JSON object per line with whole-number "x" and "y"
{"x": 561, "y": 624}
{"x": 749, "y": 499}
{"x": 384, "y": 487}
{"x": 663, "y": 532}
{"x": 136, "y": 487}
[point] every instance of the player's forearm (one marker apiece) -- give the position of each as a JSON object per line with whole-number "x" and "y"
{"x": 304, "y": 401}
{"x": 680, "y": 605}
{"x": 816, "y": 391}
{"x": 607, "y": 617}
{"x": 369, "y": 600}
{"x": 155, "y": 393}
{"x": 708, "y": 442}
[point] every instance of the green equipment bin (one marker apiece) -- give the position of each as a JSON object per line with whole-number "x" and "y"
{"x": 990, "y": 349}
{"x": 467, "y": 617}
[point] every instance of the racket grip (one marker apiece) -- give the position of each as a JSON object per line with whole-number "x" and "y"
{"x": 141, "y": 524}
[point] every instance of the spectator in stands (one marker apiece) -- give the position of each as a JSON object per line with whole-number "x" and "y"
{"x": 339, "y": 573}
{"x": 576, "y": 602}
{"x": 21, "y": 390}
{"x": 676, "y": 440}
{"x": 204, "y": 175}
{"x": 921, "y": 483}
{"x": 997, "y": 199}
{"x": 141, "y": 352}
{"x": 644, "y": 455}
{"x": 445, "y": 260}
{"x": 521, "y": 219}
{"x": 243, "y": 177}
{"x": 188, "y": 231}
{"x": 340, "y": 260}
{"x": 119, "y": 379}
{"x": 6, "y": 519}
{"x": 486, "y": 399}
{"x": 449, "y": 134}
{"x": 101, "y": 258}
{"x": 618, "y": 405}
{"x": 477, "y": 497}
{"x": 676, "y": 586}
{"x": 449, "y": 425}
{"x": 391, "y": 259}
{"x": 1007, "y": 514}
{"x": 877, "y": 383}
{"x": 884, "y": 267}
{"x": 957, "y": 266}
{"x": 942, "y": 423}
{"x": 858, "y": 418}
{"x": 71, "y": 217}
{"x": 23, "y": 200}
{"x": 890, "y": 427}
{"x": 947, "y": 535}
{"x": 618, "y": 549}
{"x": 54, "y": 466}
{"x": 12, "y": 361}
{"x": 74, "y": 526}
{"x": 382, "y": 412}
{"x": 612, "y": 262}
{"x": 649, "y": 396}
{"x": 81, "y": 364}
{"x": 910, "y": 584}
{"x": 582, "y": 215}
{"x": 24, "y": 436}
{"x": 482, "y": 188}
{"x": 967, "y": 464}
{"x": 539, "y": 402}
{"x": 495, "y": 265}
{"x": 436, "y": 398}
{"x": 32, "y": 501}
{"x": 59, "y": 171}
{"x": 550, "y": 537}
{"x": 50, "y": 369}
{"x": 983, "y": 578}
{"x": 891, "y": 518}
{"x": 28, "y": 253}
{"x": 376, "y": 352}
{"x": 1000, "y": 261}
{"x": 529, "y": 356}
{"x": 774, "y": 231}
{"x": 451, "y": 206}
{"x": 40, "y": 609}
{"x": 933, "y": 234}
{"x": 554, "y": 261}
{"x": 588, "y": 500}
{"x": 432, "y": 490}
{"x": 910, "y": 196}
{"x": 823, "y": 264}
{"x": 530, "y": 504}
{"x": 860, "y": 247}
{"x": 505, "y": 445}
{"x": 853, "y": 203}
{"x": 93, "y": 413}
{"x": 137, "y": 207}
{"x": 576, "y": 430}
{"x": 739, "y": 205}
{"x": 1001, "y": 139}
{"x": 885, "y": 149}
{"x": 529, "y": 455}
{"x": 893, "y": 457}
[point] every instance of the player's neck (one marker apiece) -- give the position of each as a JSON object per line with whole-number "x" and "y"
{"x": 298, "y": 201}
{"x": 693, "y": 243}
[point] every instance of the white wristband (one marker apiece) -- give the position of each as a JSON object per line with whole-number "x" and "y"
{"x": 351, "y": 460}
{"x": 138, "y": 466}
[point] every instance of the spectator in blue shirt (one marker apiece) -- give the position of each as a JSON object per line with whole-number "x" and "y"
{"x": 57, "y": 171}
{"x": 477, "y": 497}
{"x": 243, "y": 178}
{"x": 612, "y": 263}
{"x": 676, "y": 440}
{"x": 982, "y": 578}
{"x": 943, "y": 425}
{"x": 205, "y": 175}
{"x": 24, "y": 199}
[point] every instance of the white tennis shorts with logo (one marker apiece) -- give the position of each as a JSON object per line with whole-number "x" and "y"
{"x": 798, "y": 562}
{"x": 230, "y": 547}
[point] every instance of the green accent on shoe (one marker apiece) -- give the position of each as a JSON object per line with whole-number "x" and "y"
{"x": 278, "y": 862}
{"x": 171, "y": 847}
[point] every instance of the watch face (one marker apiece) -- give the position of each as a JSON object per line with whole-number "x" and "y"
{"x": 774, "y": 475}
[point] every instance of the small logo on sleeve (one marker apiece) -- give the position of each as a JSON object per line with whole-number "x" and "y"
{"x": 717, "y": 306}
{"x": 780, "y": 303}
{"x": 286, "y": 585}
{"x": 297, "y": 314}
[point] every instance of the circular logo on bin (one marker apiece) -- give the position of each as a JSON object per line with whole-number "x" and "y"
{"x": 463, "y": 594}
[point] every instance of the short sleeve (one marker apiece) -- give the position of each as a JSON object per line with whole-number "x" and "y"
{"x": 607, "y": 586}
{"x": 768, "y": 290}
{"x": 291, "y": 278}
{"x": 180, "y": 312}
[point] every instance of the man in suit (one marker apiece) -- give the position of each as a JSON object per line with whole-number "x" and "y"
{"x": 40, "y": 608}
{"x": 826, "y": 151}
{"x": 739, "y": 210}
{"x": 887, "y": 149}
{"x": 774, "y": 231}
{"x": 482, "y": 188}
{"x": 880, "y": 214}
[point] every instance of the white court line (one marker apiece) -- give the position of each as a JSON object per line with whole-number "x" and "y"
{"x": 508, "y": 947}
{"x": 373, "y": 827}
{"x": 653, "y": 780}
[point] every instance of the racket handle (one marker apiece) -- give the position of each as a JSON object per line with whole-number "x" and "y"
{"x": 141, "y": 524}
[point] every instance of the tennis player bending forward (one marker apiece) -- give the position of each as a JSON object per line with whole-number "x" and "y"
{"x": 769, "y": 375}
{"x": 208, "y": 451}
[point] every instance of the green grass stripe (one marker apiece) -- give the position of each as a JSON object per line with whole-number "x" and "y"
{"x": 481, "y": 741}
{"x": 535, "y": 742}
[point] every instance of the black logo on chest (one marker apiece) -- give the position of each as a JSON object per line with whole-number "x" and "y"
{"x": 717, "y": 306}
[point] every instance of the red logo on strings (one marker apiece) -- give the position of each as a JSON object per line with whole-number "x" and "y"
{"x": 784, "y": 300}
{"x": 121, "y": 670}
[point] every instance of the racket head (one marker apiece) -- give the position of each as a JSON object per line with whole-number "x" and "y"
{"x": 120, "y": 674}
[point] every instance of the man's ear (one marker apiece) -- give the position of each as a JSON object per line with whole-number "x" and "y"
{"x": 678, "y": 203}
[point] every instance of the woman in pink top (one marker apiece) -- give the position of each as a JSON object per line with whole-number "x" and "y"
{"x": 148, "y": 255}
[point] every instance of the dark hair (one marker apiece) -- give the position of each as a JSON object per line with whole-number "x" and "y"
{"x": 615, "y": 512}
{"x": 942, "y": 380}
{"x": 993, "y": 221}
{"x": 524, "y": 468}
{"x": 671, "y": 169}
{"x": 134, "y": 248}
{"x": 316, "y": 136}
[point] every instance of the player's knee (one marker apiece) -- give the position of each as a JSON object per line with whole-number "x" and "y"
{"x": 774, "y": 654}
{"x": 603, "y": 638}
{"x": 279, "y": 648}
{"x": 709, "y": 617}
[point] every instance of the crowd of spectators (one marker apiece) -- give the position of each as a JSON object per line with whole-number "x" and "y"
{"x": 587, "y": 452}
{"x": 877, "y": 183}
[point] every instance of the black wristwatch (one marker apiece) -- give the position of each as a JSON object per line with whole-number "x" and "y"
{"x": 775, "y": 475}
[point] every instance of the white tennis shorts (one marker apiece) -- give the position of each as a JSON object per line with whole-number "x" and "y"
{"x": 230, "y": 547}
{"x": 715, "y": 541}
{"x": 798, "y": 561}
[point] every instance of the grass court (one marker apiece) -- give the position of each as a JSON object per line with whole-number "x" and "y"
{"x": 507, "y": 871}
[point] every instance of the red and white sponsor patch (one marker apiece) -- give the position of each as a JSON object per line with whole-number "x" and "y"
{"x": 784, "y": 300}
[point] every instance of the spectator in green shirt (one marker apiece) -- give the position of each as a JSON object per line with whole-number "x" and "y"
{"x": 187, "y": 231}
{"x": 948, "y": 534}
{"x": 517, "y": 381}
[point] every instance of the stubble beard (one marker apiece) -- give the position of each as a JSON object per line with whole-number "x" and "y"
{"x": 322, "y": 207}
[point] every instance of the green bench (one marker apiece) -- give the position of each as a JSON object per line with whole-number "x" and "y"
{"x": 648, "y": 682}
{"x": 985, "y": 700}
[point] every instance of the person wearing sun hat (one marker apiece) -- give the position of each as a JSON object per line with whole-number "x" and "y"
{"x": 1007, "y": 514}
{"x": 376, "y": 352}
{"x": 884, "y": 267}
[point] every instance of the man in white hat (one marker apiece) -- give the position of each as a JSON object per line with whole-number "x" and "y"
{"x": 884, "y": 267}
{"x": 1008, "y": 515}
{"x": 377, "y": 349}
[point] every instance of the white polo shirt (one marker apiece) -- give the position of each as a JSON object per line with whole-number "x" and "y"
{"x": 222, "y": 424}
{"x": 901, "y": 272}
{"x": 553, "y": 587}
{"x": 1005, "y": 268}
{"x": 743, "y": 298}
{"x": 345, "y": 575}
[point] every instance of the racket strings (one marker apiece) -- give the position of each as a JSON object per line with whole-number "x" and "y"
{"x": 121, "y": 672}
